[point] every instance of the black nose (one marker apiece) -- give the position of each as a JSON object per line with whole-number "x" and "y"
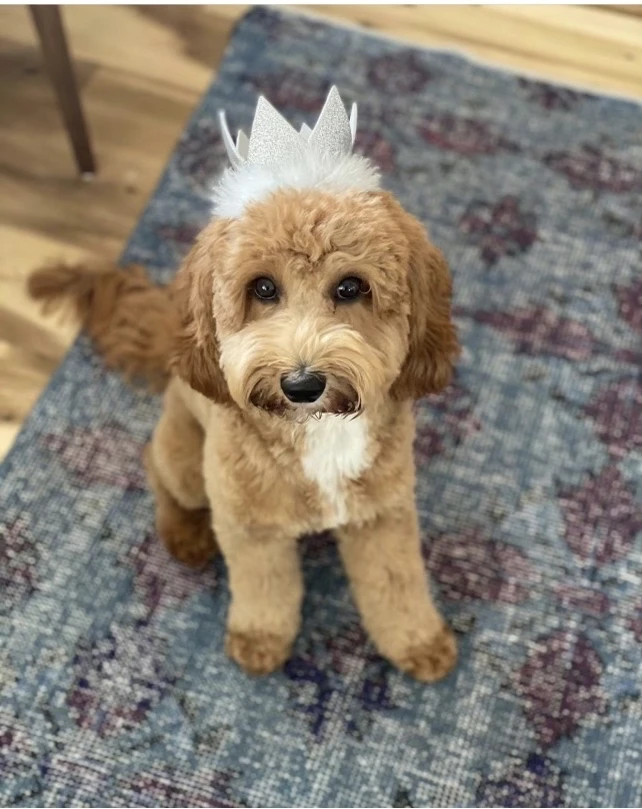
{"x": 303, "y": 386}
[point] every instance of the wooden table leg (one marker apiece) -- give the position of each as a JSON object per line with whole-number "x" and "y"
{"x": 56, "y": 55}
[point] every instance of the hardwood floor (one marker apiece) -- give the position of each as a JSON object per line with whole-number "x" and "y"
{"x": 143, "y": 69}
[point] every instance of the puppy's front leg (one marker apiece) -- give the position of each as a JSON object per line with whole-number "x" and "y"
{"x": 384, "y": 564}
{"x": 267, "y": 589}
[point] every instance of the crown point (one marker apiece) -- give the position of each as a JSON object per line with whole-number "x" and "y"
{"x": 353, "y": 122}
{"x": 242, "y": 144}
{"x": 228, "y": 142}
{"x": 332, "y": 132}
{"x": 272, "y": 140}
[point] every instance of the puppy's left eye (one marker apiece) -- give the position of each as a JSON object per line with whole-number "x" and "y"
{"x": 350, "y": 289}
{"x": 265, "y": 289}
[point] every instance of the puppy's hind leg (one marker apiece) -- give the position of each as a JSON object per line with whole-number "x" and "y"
{"x": 174, "y": 462}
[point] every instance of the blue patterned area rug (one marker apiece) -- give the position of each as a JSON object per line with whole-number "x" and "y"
{"x": 114, "y": 687}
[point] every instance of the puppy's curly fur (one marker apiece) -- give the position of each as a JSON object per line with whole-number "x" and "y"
{"x": 133, "y": 322}
{"x": 234, "y": 454}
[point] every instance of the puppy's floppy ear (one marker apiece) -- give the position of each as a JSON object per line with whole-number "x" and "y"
{"x": 433, "y": 344}
{"x": 195, "y": 357}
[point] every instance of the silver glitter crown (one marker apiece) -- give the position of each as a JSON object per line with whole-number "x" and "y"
{"x": 274, "y": 141}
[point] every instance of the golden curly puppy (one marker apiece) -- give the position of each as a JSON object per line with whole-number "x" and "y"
{"x": 309, "y": 315}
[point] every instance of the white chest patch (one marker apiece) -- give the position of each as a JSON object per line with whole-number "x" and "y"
{"x": 336, "y": 451}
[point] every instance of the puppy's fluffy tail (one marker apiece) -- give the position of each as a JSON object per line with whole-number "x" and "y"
{"x": 132, "y": 320}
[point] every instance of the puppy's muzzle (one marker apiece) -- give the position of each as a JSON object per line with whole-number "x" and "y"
{"x": 303, "y": 387}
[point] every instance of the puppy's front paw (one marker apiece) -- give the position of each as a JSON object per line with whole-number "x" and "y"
{"x": 257, "y": 652}
{"x": 432, "y": 660}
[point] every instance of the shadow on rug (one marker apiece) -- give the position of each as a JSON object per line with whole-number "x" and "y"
{"x": 114, "y": 687}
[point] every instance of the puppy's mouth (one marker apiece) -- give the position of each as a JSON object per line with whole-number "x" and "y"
{"x": 299, "y": 396}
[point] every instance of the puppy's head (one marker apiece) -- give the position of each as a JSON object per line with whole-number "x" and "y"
{"x": 312, "y": 302}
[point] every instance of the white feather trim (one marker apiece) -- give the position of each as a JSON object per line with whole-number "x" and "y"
{"x": 243, "y": 185}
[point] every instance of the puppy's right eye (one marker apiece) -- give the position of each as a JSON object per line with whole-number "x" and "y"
{"x": 265, "y": 289}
